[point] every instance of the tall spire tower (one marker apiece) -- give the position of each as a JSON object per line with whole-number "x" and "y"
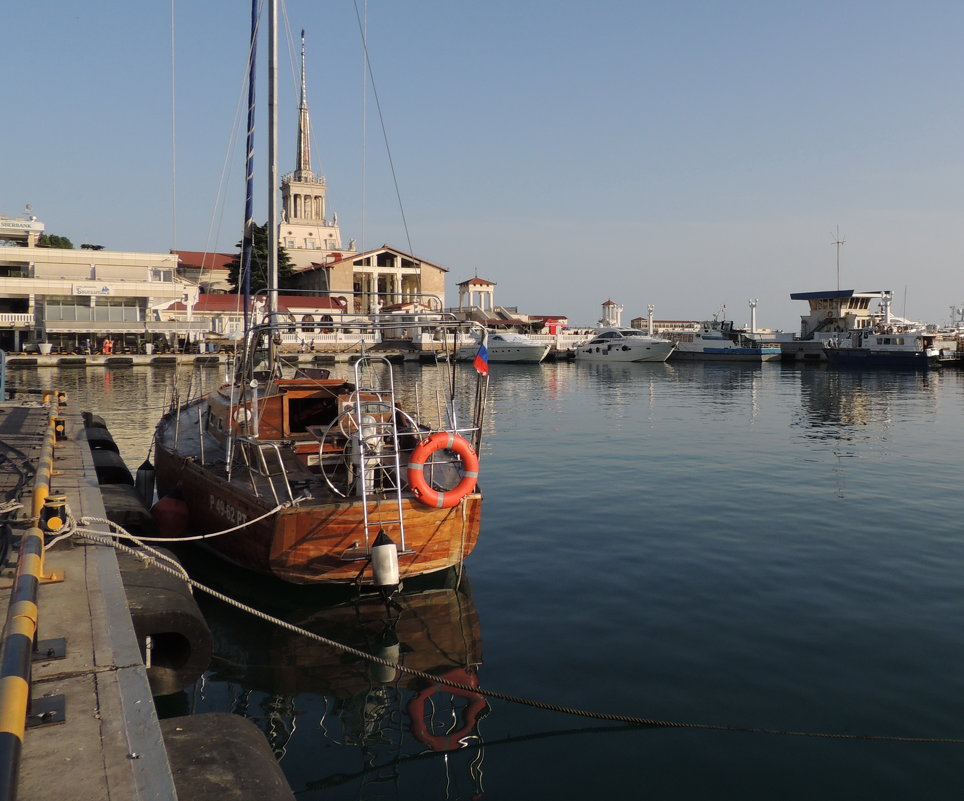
{"x": 303, "y": 170}
{"x": 305, "y": 230}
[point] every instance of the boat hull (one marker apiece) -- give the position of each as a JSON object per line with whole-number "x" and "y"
{"x": 726, "y": 355}
{"x": 314, "y": 542}
{"x": 860, "y": 357}
{"x": 803, "y": 350}
{"x": 519, "y": 356}
{"x": 657, "y": 352}
{"x": 508, "y": 354}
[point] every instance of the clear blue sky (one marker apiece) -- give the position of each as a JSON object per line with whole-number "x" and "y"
{"x": 685, "y": 154}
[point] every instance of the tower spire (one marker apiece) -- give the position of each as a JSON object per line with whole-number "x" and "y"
{"x": 303, "y": 168}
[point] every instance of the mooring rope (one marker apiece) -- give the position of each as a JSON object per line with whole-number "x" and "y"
{"x": 160, "y": 561}
{"x": 126, "y": 535}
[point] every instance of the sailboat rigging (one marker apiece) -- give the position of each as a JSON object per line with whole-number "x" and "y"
{"x": 290, "y": 472}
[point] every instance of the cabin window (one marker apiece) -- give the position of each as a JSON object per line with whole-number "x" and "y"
{"x": 311, "y": 411}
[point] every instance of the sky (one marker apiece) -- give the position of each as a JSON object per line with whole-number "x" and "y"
{"x": 686, "y": 154}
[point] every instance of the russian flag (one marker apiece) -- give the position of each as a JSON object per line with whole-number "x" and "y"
{"x": 481, "y": 362}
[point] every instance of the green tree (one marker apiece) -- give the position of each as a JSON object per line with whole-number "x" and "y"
{"x": 259, "y": 263}
{"x": 87, "y": 246}
{"x": 54, "y": 241}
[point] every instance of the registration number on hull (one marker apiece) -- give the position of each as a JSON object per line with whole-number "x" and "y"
{"x": 226, "y": 511}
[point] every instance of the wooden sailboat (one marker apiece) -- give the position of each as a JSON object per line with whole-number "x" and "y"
{"x": 314, "y": 479}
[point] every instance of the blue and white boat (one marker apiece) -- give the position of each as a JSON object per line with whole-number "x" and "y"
{"x": 718, "y": 340}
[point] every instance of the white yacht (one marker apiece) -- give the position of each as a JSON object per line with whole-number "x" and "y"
{"x": 624, "y": 345}
{"x": 506, "y": 346}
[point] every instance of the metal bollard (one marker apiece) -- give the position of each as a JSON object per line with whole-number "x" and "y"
{"x": 53, "y": 516}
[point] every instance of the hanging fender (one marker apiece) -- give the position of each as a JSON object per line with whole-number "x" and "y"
{"x": 442, "y": 440}
{"x": 451, "y": 740}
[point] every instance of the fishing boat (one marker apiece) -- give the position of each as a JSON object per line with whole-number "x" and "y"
{"x": 718, "y": 340}
{"x": 506, "y": 346}
{"x": 905, "y": 346}
{"x": 292, "y": 473}
{"x": 616, "y": 344}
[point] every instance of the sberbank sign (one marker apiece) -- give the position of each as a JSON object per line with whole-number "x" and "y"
{"x": 20, "y": 225}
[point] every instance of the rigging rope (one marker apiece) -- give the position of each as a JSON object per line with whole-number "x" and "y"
{"x": 631, "y": 720}
{"x": 381, "y": 121}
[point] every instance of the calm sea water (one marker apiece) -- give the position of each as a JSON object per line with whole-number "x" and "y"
{"x": 755, "y": 546}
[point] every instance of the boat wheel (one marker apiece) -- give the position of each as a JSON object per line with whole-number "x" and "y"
{"x": 343, "y": 431}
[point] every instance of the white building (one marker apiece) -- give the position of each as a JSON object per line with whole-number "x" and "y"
{"x": 65, "y": 297}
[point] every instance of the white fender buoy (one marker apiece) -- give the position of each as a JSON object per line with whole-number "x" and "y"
{"x": 385, "y": 563}
{"x": 389, "y": 649}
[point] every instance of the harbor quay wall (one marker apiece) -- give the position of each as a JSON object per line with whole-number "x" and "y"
{"x": 297, "y": 357}
{"x": 91, "y": 730}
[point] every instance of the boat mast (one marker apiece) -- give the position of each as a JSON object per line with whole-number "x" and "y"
{"x": 273, "y": 161}
{"x": 248, "y": 233}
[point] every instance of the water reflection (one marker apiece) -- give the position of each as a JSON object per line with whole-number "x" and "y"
{"x": 307, "y": 696}
{"x": 831, "y": 398}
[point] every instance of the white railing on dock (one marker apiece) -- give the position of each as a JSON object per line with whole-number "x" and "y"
{"x": 335, "y": 338}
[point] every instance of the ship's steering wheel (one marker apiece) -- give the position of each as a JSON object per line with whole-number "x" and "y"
{"x": 345, "y": 427}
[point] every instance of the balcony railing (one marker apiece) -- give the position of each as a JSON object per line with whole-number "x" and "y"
{"x": 16, "y": 318}
{"x": 125, "y": 326}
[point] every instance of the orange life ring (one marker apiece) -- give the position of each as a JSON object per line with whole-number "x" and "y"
{"x": 450, "y": 741}
{"x": 442, "y": 440}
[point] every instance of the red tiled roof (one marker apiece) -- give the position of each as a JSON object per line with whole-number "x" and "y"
{"x": 476, "y": 280}
{"x": 200, "y": 260}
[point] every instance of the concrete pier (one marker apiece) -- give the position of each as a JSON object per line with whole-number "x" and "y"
{"x": 15, "y": 361}
{"x": 88, "y": 729}
{"x": 107, "y": 742}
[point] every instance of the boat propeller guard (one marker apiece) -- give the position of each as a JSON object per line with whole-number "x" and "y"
{"x": 442, "y": 440}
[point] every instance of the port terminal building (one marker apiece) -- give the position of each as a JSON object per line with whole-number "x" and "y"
{"x": 61, "y": 298}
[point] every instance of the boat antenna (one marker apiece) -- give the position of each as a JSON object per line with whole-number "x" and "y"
{"x": 838, "y": 242}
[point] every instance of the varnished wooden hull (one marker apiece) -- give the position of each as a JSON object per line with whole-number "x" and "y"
{"x": 317, "y": 542}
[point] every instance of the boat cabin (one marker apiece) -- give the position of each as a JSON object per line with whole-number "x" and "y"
{"x": 837, "y": 311}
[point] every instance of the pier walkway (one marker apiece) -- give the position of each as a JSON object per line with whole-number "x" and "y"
{"x": 104, "y": 741}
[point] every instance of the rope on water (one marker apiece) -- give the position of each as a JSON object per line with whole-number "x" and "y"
{"x": 160, "y": 561}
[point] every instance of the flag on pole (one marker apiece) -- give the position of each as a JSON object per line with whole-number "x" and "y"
{"x": 481, "y": 362}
